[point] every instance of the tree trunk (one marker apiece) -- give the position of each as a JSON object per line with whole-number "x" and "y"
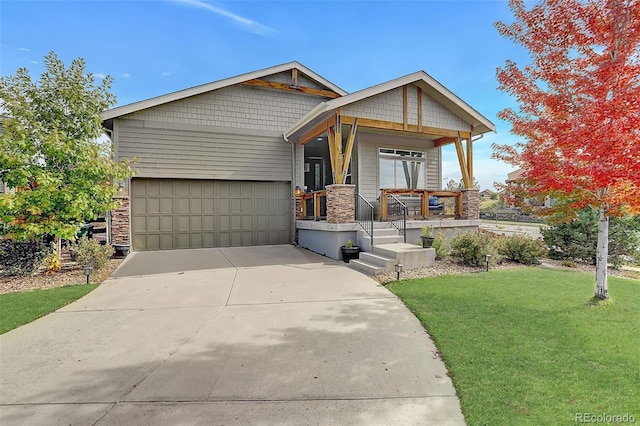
{"x": 602, "y": 254}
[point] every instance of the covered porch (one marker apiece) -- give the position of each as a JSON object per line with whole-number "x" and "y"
{"x": 376, "y": 156}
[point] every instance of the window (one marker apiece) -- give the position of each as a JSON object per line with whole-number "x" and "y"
{"x": 401, "y": 169}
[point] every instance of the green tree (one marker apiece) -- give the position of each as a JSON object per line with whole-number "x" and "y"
{"x": 53, "y": 151}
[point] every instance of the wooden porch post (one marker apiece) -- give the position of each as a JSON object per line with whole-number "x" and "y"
{"x": 470, "y": 160}
{"x": 464, "y": 169}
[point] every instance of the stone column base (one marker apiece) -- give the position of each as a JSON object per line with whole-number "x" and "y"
{"x": 341, "y": 203}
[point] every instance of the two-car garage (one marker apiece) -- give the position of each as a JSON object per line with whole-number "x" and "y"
{"x": 192, "y": 213}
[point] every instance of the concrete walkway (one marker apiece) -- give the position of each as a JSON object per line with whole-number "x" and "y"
{"x": 270, "y": 335}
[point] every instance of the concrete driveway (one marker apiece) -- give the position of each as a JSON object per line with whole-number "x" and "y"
{"x": 258, "y": 335}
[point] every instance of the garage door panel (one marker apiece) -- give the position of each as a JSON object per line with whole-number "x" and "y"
{"x": 166, "y": 223}
{"x": 166, "y": 205}
{"x": 173, "y": 213}
{"x": 153, "y": 205}
{"x": 196, "y": 205}
{"x": 208, "y": 239}
{"x": 153, "y": 223}
{"x": 207, "y": 206}
{"x": 183, "y": 205}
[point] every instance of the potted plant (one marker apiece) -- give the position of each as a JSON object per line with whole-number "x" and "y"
{"x": 427, "y": 236}
{"x": 349, "y": 251}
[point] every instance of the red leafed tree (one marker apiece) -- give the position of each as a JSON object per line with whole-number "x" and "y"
{"x": 579, "y": 107}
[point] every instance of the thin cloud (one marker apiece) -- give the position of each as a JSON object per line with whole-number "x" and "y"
{"x": 250, "y": 25}
{"x": 24, "y": 49}
{"x": 125, "y": 75}
{"x": 165, "y": 74}
{"x": 99, "y": 75}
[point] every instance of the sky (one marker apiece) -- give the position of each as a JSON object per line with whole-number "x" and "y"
{"x": 154, "y": 47}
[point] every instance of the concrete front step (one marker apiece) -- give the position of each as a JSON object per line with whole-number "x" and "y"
{"x": 410, "y": 256}
{"x": 386, "y": 256}
{"x": 366, "y": 267}
{"x": 372, "y": 264}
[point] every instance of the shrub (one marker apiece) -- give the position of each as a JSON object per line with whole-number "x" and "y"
{"x": 441, "y": 245}
{"x": 522, "y": 249}
{"x": 470, "y": 248}
{"x": 577, "y": 240}
{"x": 22, "y": 257}
{"x": 89, "y": 252}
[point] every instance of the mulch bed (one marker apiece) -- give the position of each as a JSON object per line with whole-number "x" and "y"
{"x": 70, "y": 274}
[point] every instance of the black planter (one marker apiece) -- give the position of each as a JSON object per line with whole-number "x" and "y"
{"x": 427, "y": 242}
{"x": 123, "y": 249}
{"x": 349, "y": 253}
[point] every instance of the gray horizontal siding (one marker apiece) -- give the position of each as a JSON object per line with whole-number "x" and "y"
{"x": 205, "y": 153}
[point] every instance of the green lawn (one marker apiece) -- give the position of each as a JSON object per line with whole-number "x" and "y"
{"x": 524, "y": 348}
{"x": 20, "y": 308}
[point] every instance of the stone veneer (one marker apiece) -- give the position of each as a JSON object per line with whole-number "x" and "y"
{"x": 470, "y": 204}
{"x": 341, "y": 203}
{"x": 120, "y": 221}
{"x": 299, "y": 208}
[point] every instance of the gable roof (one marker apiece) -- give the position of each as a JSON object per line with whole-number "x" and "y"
{"x": 208, "y": 87}
{"x": 428, "y": 84}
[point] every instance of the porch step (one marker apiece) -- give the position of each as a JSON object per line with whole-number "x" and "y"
{"x": 372, "y": 264}
{"x": 410, "y": 256}
{"x": 366, "y": 267}
{"x": 364, "y": 239}
{"x": 386, "y": 256}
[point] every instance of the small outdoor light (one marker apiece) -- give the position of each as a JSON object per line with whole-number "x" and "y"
{"x": 120, "y": 186}
{"x": 398, "y": 268}
{"x": 487, "y": 258}
{"x": 87, "y": 272}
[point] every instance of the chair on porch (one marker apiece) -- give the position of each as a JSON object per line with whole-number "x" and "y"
{"x": 434, "y": 206}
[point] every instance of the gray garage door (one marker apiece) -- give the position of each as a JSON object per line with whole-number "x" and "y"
{"x": 175, "y": 214}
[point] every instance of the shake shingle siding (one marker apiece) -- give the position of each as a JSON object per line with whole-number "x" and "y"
{"x": 242, "y": 107}
{"x": 387, "y": 106}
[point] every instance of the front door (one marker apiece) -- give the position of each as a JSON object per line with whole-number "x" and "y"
{"x": 314, "y": 173}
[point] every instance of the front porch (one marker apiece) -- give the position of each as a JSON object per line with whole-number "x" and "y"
{"x": 372, "y": 160}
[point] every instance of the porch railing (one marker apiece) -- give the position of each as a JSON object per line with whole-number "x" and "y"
{"x": 397, "y": 214}
{"x": 449, "y": 203}
{"x": 364, "y": 215}
{"x": 316, "y": 202}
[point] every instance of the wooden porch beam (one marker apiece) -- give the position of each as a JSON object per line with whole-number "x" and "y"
{"x": 463, "y": 163}
{"x": 405, "y": 114}
{"x": 412, "y": 128}
{"x": 349, "y": 149}
{"x": 444, "y": 141}
{"x": 313, "y": 133}
{"x": 291, "y": 88}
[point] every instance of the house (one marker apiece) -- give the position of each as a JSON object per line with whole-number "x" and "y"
{"x": 513, "y": 200}
{"x": 487, "y": 194}
{"x": 281, "y": 155}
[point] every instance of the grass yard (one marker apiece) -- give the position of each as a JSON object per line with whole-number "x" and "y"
{"x": 524, "y": 348}
{"x": 20, "y": 308}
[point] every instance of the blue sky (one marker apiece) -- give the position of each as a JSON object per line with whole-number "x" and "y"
{"x": 153, "y": 47}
